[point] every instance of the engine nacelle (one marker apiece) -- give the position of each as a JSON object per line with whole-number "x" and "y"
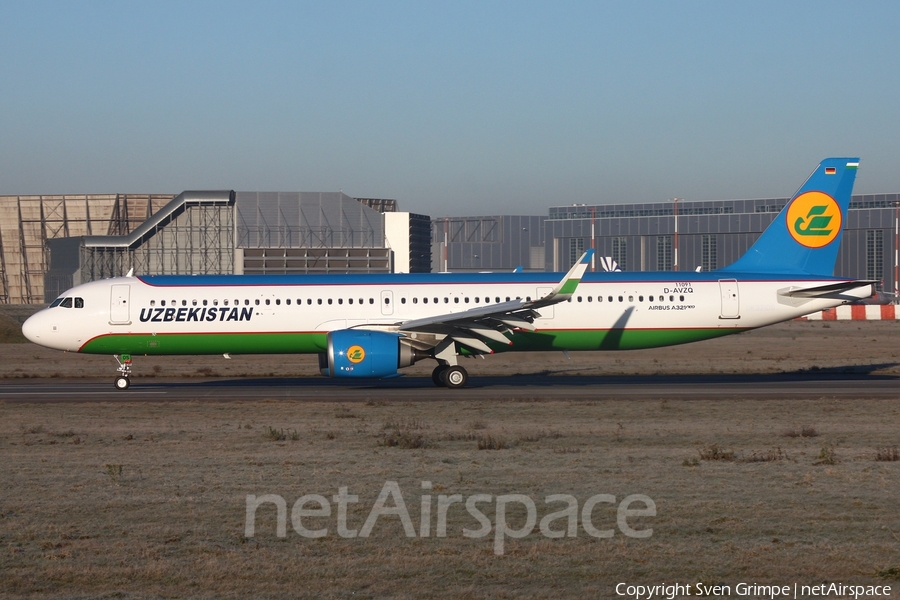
{"x": 363, "y": 353}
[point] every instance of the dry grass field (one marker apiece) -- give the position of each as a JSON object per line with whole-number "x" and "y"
{"x": 148, "y": 499}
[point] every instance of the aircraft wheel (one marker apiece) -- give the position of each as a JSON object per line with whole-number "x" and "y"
{"x": 122, "y": 383}
{"x": 456, "y": 377}
{"x": 437, "y": 376}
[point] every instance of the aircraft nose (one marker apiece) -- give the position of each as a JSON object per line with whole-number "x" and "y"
{"x": 31, "y": 328}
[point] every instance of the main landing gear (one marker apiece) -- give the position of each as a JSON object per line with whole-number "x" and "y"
{"x": 449, "y": 376}
{"x": 123, "y": 380}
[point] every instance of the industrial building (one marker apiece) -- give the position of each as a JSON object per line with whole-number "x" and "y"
{"x": 50, "y": 243}
{"x": 644, "y": 237}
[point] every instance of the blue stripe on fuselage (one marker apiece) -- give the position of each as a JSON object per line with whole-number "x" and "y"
{"x": 462, "y": 278}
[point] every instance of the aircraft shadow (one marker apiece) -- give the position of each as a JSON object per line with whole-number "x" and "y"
{"x": 556, "y": 378}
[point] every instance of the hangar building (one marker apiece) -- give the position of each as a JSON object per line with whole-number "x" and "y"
{"x": 60, "y": 241}
{"x": 642, "y": 237}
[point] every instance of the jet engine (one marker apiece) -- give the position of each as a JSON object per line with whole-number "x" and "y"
{"x": 364, "y": 353}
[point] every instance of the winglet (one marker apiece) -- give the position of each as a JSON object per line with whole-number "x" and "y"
{"x": 566, "y": 287}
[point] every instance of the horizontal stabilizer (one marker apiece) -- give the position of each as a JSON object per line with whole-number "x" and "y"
{"x": 825, "y": 291}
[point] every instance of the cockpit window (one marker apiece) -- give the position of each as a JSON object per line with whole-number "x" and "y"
{"x": 56, "y": 302}
{"x": 79, "y": 302}
{"x": 67, "y": 303}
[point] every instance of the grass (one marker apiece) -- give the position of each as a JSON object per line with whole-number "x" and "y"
{"x": 887, "y": 454}
{"x": 827, "y": 456}
{"x": 164, "y": 513}
{"x": 280, "y": 435}
{"x": 805, "y": 431}
{"x": 716, "y": 452}
{"x": 490, "y": 441}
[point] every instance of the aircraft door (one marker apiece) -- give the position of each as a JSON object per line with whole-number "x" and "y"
{"x": 119, "y": 300}
{"x": 731, "y": 301}
{"x": 387, "y": 302}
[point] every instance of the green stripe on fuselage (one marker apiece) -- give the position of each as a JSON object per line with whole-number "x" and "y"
{"x": 313, "y": 343}
{"x": 207, "y": 343}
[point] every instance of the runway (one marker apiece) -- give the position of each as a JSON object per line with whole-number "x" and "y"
{"x": 802, "y": 385}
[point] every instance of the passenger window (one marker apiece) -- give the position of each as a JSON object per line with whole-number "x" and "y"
{"x": 497, "y": 299}
{"x": 610, "y": 299}
{"x": 415, "y": 300}
{"x": 67, "y": 303}
{"x": 330, "y": 301}
{"x": 681, "y": 298}
{"x": 350, "y": 301}
{"x": 467, "y": 299}
{"x": 152, "y": 303}
{"x": 268, "y": 302}
{"x": 225, "y": 302}
{"x": 590, "y": 298}
{"x": 599, "y": 298}
{"x": 402, "y": 300}
{"x": 309, "y": 300}
{"x": 650, "y": 299}
{"x": 79, "y": 302}
{"x": 58, "y": 301}
{"x": 579, "y": 298}
{"x": 278, "y": 302}
{"x": 456, "y": 300}
{"x": 340, "y": 300}
{"x": 205, "y": 302}
{"x": 371, "y": 300}
{"x": 319, "y": 301}
{"x": 671, "y": 298}
{"x": 361, "y": 301}
{"x": 256, "y": 301}
{"x": 162, "y": 302}
{"x": 424, "y": 300}
{"x": 476, "y": 299}
{"x": 387, "y": 300}
{"x": 621, "y": 299}
{"x": 193, "y": 303}
{"x": 631, "y": 298}
{"x": 640, "y": 298}
{"x": 184, "y": 302}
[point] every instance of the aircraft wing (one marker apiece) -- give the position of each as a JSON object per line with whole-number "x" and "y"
{"x": 475, "y": 327}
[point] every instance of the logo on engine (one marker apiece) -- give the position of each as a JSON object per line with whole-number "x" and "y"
{"x": 814, "y": 219}
{"x": 356, "y": 354}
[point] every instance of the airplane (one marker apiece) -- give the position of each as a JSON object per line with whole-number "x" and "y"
{"x": 374, "y": 325}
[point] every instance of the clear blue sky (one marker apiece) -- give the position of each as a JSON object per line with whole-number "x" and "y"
{"x": 457, "y": 108}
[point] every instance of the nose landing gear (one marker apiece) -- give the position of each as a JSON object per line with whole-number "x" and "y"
{"x": 123, "y": 380}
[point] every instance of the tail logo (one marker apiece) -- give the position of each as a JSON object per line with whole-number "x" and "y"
{"x": 814, "y": 219}
{"x": 356, "y": 354}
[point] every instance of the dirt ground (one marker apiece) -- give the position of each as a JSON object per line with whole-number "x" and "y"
{"x": 150, "y": 499}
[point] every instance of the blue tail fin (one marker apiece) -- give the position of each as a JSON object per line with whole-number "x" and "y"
{"x": 805, "y": 236}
